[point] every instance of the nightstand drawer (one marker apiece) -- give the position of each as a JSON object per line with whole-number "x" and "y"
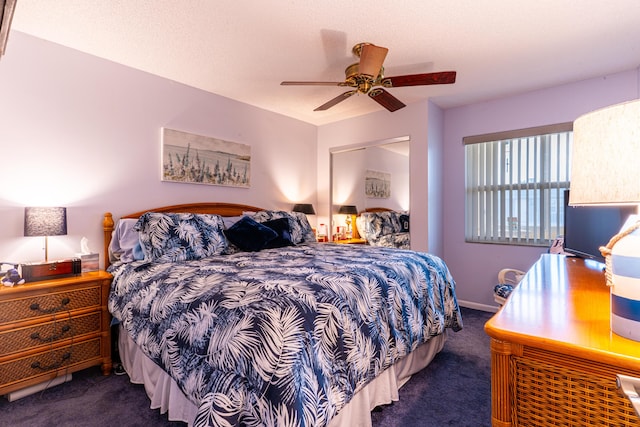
{"x": 39, "y": 364}
{"x": 26, "y": 338}
{"x": 47, "y": 304}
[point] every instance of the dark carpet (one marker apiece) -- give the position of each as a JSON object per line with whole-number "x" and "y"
{"x": 454, "y": 390}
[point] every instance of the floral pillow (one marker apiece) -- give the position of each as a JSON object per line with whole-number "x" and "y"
{"x": 374, "y": 225}
{"x": 301, "y": 231}
{"x": 167, "y": 237}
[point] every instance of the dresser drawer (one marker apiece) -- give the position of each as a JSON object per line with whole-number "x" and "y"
{"x": 553, "y": 389}
{"x": 18, "y": 309}
{"x": 60, "y": 359}
{"x": 26, "y": 338}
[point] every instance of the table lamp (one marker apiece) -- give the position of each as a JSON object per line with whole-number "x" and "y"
{"x": 605, "y": 170}
{"x": 349, "y": 211}
{"x": 45, "y": 222}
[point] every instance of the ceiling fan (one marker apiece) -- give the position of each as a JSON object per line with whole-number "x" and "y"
{"x": 367, "y": 77}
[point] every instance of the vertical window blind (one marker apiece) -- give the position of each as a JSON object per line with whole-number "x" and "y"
{"x": 515, "y": 184}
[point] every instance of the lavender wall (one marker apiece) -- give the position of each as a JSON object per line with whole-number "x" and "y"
{"x": 82, "y": 132}
{"x": 434, "y": 189}
{"x": 475, "y": 266}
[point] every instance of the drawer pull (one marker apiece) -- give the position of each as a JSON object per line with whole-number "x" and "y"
{"x": 36, "y": 307}
{"x": 37, "y": 365}
{"x": 628, "y": 386}
{"x": 54, "y": 337}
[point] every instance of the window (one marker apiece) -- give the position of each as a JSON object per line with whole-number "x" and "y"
{"x": 515, "y": 184}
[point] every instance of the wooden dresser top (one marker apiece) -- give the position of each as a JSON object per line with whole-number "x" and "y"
{"x": 563, "y": 305}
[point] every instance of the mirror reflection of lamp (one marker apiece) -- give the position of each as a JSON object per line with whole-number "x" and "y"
{"x": 350, "y": 211}
{"x": 45, "y": 222}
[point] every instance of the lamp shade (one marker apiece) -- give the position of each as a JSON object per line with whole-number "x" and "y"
{"x": 45, "y": 221}
{"x": 305, "y": 208}
{"x": 348, "y": 210}
{"x": 605, "y": 156}
{"x": 371, "y": 59}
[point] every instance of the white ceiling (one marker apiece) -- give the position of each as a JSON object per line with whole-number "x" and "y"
{"x": 243, "y": 49}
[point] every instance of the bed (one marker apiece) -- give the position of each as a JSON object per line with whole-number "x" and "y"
{"x": 384, "y": 227}
{"x": 299, "y": 333}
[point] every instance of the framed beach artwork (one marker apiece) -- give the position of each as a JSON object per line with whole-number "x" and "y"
{"x": 377, "y": 185}
{"x": 197, "y": 159}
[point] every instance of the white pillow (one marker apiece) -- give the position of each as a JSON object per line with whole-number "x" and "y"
{"x": 230, "y": 220}
{"x": 125, "y": 243}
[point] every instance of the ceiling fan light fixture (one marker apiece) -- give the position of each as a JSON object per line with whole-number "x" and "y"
{"x": 371, "y": 59}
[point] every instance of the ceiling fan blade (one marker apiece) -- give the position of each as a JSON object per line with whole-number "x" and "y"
{"x": 338, "y": 99}
{"x": 441, "y": 78}
{"x": 311, "y": 83}
{"x": 385, "y": 99}
{"x": 371, "y": 59}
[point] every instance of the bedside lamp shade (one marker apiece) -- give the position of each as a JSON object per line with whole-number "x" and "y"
{"x": 604, "y": 170}
{"x": 348, "y": 210}
{"x": 45, "y": 222}
{"x": 305, "y": 208}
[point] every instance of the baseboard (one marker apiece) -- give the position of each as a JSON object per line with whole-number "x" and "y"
{"x": 27, "y": 391}
{"x": 476, "y": 306}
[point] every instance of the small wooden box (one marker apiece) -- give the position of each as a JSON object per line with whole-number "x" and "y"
{"x": 34, "y": 272}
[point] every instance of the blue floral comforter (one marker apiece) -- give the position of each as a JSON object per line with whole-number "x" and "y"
{"x": 282, "y": 337}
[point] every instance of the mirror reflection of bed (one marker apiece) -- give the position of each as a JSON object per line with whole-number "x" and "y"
{"x": 384, "y": 227}
{"x": 373, "y": 177}
{"x": 259, "y": 335}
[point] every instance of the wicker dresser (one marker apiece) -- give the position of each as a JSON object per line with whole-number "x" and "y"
{"x": 554, "y": 359}
{"x": 52, "y": 328}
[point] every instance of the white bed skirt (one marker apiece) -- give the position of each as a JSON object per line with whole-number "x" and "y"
{"x": 166, "y": 396}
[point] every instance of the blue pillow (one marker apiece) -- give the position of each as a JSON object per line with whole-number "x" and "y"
{"x": 250, "y": 235}
{"x": 282, "y": 227}
{"x": 301, "y": 231}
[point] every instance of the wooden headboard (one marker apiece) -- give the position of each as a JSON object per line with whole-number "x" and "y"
{"x": 375, "y": 210}
{"x": 222, "y": 209}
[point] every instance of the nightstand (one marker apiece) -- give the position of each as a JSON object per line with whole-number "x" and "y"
{"x": 351, "y": 241}
{"x": 52, "y": 328}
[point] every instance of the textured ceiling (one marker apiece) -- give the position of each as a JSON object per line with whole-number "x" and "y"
{"x": 244, "y": 49}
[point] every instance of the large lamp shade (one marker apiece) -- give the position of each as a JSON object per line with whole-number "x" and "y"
{"x": 605, "y": 164}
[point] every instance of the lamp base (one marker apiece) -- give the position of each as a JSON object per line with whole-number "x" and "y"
{"x": 625, "y": 286}
{"x": 624, "y": 327}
